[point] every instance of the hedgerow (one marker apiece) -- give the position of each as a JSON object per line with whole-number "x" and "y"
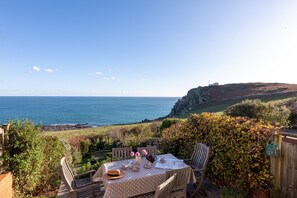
{"x": 32, "y": 158}
{"x": 237, "y": 147}
{"x": 261, "y": 111}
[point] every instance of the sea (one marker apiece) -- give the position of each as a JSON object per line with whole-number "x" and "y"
{"x": 93, "y": 111}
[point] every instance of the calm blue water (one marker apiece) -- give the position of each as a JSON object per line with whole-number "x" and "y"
{"x": 92, "y": 110}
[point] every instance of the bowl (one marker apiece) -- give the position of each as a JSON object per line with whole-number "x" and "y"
{"x": 151, "y": 158}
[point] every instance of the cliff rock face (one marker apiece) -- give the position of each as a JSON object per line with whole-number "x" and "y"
{"x": 229, "y": 92}
{"x": 185, "y": 104}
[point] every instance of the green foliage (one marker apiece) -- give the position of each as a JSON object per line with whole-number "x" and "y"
{"x": 247, "y": 108}
{"x": 291, "y": 104}
{"x": 233, "y": 192}
{"x": 84, "y": 144}
{"x": 256, "y": 109}
{"x": 166, "y": 123}
{"x": 32, "y": 158}
{"x": 89, "y": 166}
{"x": 237, "y": 147}
{"x": 137, "y": 136}
{"x": 24, "y": 155}
{"x": 53, "y": 151}
{"x": 76, "y": 156}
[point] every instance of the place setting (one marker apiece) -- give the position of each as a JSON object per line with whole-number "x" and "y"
{"x": 114, "y": 174}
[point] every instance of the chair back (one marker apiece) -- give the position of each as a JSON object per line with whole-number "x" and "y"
{"x": 182, "y": 176}
{"x": 200, "y": 156}
{"x": 66, "y": 174}
{"x": 121, "y": 153}
{"x": 164, "y": 190}
{"x": 151, "y": 150}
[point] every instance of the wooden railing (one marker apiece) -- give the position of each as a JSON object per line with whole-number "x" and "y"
{"x": 289, "y": 137}
{"x": 3, "y": 142}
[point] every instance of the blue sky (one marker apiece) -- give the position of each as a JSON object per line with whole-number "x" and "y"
{"x": 143, "y": 48}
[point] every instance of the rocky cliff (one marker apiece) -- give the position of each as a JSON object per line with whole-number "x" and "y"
{"x": 229, "y": 92}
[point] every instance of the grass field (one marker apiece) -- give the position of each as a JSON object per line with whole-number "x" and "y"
{"x": 64, "y": 135}
{"x": 220, "y": 106}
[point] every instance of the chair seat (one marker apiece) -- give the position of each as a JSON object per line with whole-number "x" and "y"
{"x": 83, "y": 188}
{"x": 82, "y": 182}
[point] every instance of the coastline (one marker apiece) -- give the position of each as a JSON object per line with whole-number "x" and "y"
{"x": 65, "y": 127}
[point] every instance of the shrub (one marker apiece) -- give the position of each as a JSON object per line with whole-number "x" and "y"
{"x": 53, "y": 151}
{"x": 24, "y": 155}
{"x": 76, "y": 141}
{"x": 166, "y": 123}
{"x": 267, "y": 112}
{"x": 237, "y": 147}
{"x": 76, "y": 156}
{"x": 84, "y": 145}
{"x": 32, "y": 158}
{"x": 247, "y": 108}
{"x": 291, "y": 104}
{"x": 137, "y": 136}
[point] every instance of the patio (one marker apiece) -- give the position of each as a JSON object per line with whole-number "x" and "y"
{"x": 149, "y": 177}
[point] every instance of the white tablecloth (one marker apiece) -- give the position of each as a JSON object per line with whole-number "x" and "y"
{"x": 134, "y": 183}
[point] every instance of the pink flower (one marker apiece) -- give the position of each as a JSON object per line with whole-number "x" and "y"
{"x": 137, "y": 154}
{"x": 144, "y": 152}
{"x": 132, "y": 154}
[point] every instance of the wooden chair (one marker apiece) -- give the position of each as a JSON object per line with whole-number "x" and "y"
{"x": 151, "y": 150}
{"x": 198, "y": 162}
{"x": 121, "y": 153}
{"x": 179, "y": 189}
{"x": 162, "y": 191}
{"x": 78, "y": 187}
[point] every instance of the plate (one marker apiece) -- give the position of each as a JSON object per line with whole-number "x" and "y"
{"x": 106, "y": 176}
{"x": 147, "y": 167}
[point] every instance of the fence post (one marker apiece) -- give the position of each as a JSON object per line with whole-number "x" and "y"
{"x": 5, "y": 127}
{"x": 275, "y": 167}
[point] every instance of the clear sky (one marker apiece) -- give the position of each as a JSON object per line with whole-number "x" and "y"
{"x": 143, "y": 48}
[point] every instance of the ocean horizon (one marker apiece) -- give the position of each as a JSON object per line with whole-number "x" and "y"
{"x": 90, "y": 110}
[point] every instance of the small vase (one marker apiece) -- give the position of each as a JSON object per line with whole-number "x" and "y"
{"x": 138, "y": 159}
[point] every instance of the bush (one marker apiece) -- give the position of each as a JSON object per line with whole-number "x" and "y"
{"x": 247, "y": 108}
{"x": 267, "y": 112}
{"x": 53, "y": 151}
{"x": 237, "y": 147}
{"x": 137, "y": 136}
{"x": 166, "y": 123}
{"x": 76, "y": 156}
{"x": 291, "y": 104}
{"x": 24, "y": 155}
{"x": 32, "y": 158}
{"x": 84, "y": 144}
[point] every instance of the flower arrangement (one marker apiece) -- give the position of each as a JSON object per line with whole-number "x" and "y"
{"x": 132, "y": 154}
{"x": 144, "y": 152}
{"x": 138, "y": 156}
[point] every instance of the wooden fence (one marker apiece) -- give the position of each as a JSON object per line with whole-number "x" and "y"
{"x": 1, "y": 141}
{"x": 284, "y": 167}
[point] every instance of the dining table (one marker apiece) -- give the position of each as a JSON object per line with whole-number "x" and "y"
{"x": 144, "y": 180}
